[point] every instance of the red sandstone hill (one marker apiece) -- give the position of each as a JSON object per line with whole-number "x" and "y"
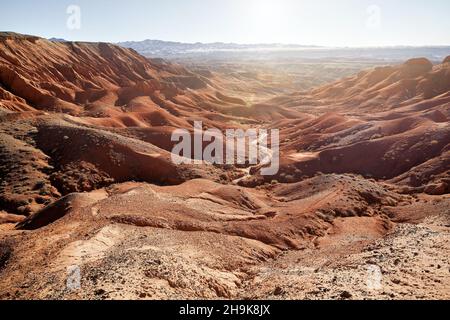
{"x": 380, "y": 89}
{"x": 386, "y": 123}
{"x": 100, "y": 114}
{"x": 67, "y": 98}
{"x": 101, "y": 80}
{"x": 86, "y": 180}
{"x": 113, "y": 112}
{"x": 78, "y": 78}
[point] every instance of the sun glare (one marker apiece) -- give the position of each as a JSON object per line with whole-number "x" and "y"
{"x": 266, "y": 9}
{"x": 266, "y": 17}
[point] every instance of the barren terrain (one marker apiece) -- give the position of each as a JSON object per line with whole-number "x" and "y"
{"x": 359, "y": 209}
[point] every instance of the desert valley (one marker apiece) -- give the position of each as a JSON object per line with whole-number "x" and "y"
{"x": 359, "y": 209}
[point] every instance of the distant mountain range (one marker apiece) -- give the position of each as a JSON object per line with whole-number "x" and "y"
{"x": 167, "y": 49}
{"x": 220, "y": 50}
{"x": 57, "y": 40}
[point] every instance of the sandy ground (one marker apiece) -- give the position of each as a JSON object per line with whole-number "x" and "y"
{"x": 411, "y": 262}
{"x": 92, "y": 206}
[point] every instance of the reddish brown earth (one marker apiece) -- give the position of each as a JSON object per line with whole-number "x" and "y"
{"x": 87, "y": 181}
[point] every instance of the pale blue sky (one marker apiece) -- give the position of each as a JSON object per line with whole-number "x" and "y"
{"x": 319, "y": 22}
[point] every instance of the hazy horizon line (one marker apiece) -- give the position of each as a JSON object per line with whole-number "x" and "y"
{"x": 293, "y": 44}
{"x": 285, "y": 44}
